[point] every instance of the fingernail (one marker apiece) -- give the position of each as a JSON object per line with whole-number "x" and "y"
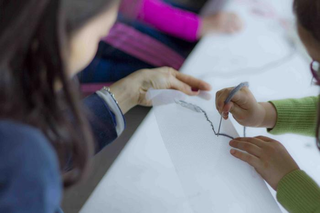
{"x": 225, "y": 115}
{"x": 232, "y": 151}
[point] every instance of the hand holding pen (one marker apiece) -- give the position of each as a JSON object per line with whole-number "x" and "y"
{"x": 240, "y": 102}
{"x": 271, "y": 165}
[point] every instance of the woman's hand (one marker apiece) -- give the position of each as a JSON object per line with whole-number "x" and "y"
{"x": 269, "y": 157}
{"x": 131, "y": 91}
{"x": 222, "y": 22}
{"x": 245, "y": 109}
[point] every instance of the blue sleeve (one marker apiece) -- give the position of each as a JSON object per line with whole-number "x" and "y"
{"x": 30, "y": 179}
{"x": 102, "y": 121}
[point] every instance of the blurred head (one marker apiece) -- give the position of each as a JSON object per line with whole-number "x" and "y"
{"x": 43, "y": 43}
{"x": 308, "y": 20}
{"x": 84, "y": 39}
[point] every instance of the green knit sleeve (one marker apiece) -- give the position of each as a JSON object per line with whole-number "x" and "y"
{"x": 297, "y": 116}
{"x": 298, "y": 193}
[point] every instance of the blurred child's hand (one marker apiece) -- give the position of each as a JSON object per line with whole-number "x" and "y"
{"x": 245, "y": 109}
{"x": 222, "y": 22}
{"x": 269, "y": 157}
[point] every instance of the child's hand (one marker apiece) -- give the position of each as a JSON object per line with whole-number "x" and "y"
{"x": 222, "y": 22}
{"x": 245, "y": 109}
{"x": 269, "y": 157}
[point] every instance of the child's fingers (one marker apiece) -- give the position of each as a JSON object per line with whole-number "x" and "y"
{"x": 232, "y": 23}
{"x": 237, "y": 23}
{"x": 221, "y": 97}
{"x": 248, "y": 147}
{"x": 237, "y": 104}
{"x": 218, "y": 107}
{"x": 254, "y": 141}
{"x": 226, "y": 109}
{"x": 237, "y": 112}
{"x": 265, "y": 139}
{"x": 248, "y": 158}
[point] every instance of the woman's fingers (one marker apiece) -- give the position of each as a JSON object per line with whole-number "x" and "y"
{"x": 248, "y": 147}
{"x": 185, "y": 88}
{"x": 187, "y": 84}
{"x": 193, "y": 82}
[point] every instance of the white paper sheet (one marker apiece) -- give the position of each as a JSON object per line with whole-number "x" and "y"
{"x": 213, "y": 180}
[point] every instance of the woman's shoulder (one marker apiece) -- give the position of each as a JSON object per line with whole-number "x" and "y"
{"x": 30, "y": 167}
{"x": 24, "y": 139}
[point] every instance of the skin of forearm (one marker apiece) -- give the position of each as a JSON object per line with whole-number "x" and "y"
{"x": 125, "y": 96}
{"x": 270, "y": 117}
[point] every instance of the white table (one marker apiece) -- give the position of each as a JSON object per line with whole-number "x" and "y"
{"x": 143, "y": 178}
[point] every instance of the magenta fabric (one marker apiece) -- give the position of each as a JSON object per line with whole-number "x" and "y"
{"x": 88, "y": 89}
{"x": 143, "y": 47}
{"x": 173, "y": 21}
{"x": 131, "y": 8}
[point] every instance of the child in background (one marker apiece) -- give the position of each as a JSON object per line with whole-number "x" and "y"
{"x": 181, "y": 23}
{"x": 162, "y": 35}
{"x": 296, "y": 191}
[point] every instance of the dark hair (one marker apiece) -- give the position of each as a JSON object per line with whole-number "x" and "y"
{"x": 33, "y": 40}
{"x": 308, "y": 17}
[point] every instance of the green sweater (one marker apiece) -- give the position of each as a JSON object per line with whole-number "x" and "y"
{"x": 297, "y": 192}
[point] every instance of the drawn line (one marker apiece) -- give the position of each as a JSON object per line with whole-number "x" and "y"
{"x": 198, "y": 109}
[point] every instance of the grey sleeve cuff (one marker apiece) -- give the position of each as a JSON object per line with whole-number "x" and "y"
{"x": 104, "y": 95}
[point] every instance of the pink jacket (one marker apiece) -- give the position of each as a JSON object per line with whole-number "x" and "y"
{"x": 176, "y": 22}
